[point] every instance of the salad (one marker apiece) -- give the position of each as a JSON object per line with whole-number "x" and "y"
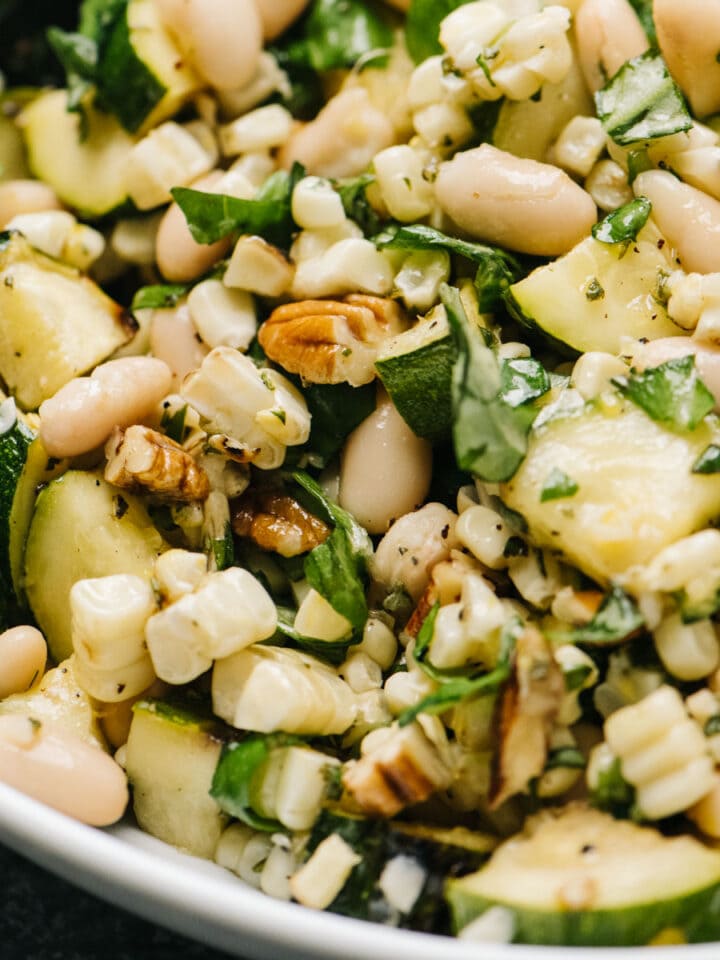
{"x": 360, "y": 452}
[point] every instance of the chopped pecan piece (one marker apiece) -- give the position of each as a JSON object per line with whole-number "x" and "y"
{"x": 277, "y": 522}
{"x": 524, "y": 712}
{"x": 144, "y": 460}
{"x": 404, "y": 770}
{"x": 331, "y": 341}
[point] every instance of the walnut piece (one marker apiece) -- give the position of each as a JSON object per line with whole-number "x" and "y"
{"x": 331, "y": 341}
{"x": 524, "y": 712}
{"x": 277, "y": 522}
{"x": 143, "y": 460}
{"x": 404, "y": 770}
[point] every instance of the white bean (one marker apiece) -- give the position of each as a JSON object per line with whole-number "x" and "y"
{"x": 707, "y": 359}
{"x": 608, "y": 34}
{"x": 343, "y": 138}
{"x": 413, "y": 546}
{"x": 222, "y": 38}
{"x": 23, "y": 653}
{"x": 688, "y": 34}
{"x": 385, "y": 468}
{"x": 179, "y": 257}
{"x": 687, "y": 217}
{"x": 62, "y": 771}
{"x": 174, "y": 339}
{"x": 527, "y": 206}
{"x": 277, "y": 15}
{"x": 18, "y": 197}
{"x": 82, "y": 414}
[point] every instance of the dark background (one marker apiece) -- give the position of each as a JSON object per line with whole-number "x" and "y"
{"x": 45, "y": 918}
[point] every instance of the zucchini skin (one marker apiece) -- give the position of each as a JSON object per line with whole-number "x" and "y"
{"x": 696, "y": 916}
{"x": 14, "y": 446}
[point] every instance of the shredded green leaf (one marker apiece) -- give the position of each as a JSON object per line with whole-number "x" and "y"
{"x": 423, "y": 26}
{"x": 709, "y": 460}
{"x": 616, "y": 618}
{"x": 642, "y": 102}
{"x": 489, "y": 434}
{"x": 671, "y": 393}
{"x": 158, "y": 296}
{"x": 623, "y": 224}
{"x": 212, "y": 216}
{"x": 558, "y": 486}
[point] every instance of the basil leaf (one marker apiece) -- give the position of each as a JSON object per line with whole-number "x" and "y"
{"x": 423, "y": 26}
{"x": 612, "y": 791}
{"x": 78, "y": 56}
{"x": 671, "y": 393}
{"x": 212, "y": 216}
{"x": 575, "y": 677}
{"x": 239, "y": 764}
{"x": 642, "y": 102}
{"x": 333, "y": 651}
{"x": 337, "y": 568}
{"x": 558, "y": 486}
{"x": 523, "y": 380}
{"x": 335, "y": 410}
{"x": 174, "y": 424}
{"x": 453, "y": 688}
{"x": 353, "y": 194}
{"x": 616, "y": 618}
{"x": 709, "y": 460}
{"x": 623, "y": 224}
{"x": 337, "y": 33}
{"x": 496, "y": 269}
{"x": 156, "y": 296}
{"x": 490, "y": 435}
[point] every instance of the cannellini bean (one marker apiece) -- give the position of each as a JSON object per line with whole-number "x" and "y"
{"x": 688, "y": 34}
{"x": 608, "y": 33}
{"x": 82, "y": 414}
{"x": 527, "y": 206}
{"x": 413, "y": 545}
{"x": 687, "y": 217}
{"x": 18, "y": 197}
{"x": 179, "y": 257}
{"x": 174, "y": 339}
{"x": 23, "y": 653}
{"x": 222, "y": 38}
{"x": 343, "y": 138}
{"x": 62, "y": 771}
{"x": 707, "y": 359}
{"x": 385, "y": 469}
{"x": 277, "y": 15}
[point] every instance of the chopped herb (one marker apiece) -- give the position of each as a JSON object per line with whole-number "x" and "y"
{"x": 575, "y": 677}
{"x": 558, "y": 486}
{"x": 642, "y": 102}
{"x": 712, "y": 725}
{"x": 594, "y": 290}
{"x": 333, "y": 651}
{"x": 335, "y": 410}
{"x": 612, "y": 791}
{"x": 616, "y": 619}
{"x": 496, "y": 269}
{"x": 671, "y": 393}
{"x": 624, "y": 224}
{"x": 515, "y": 547}
{"x": 222, "y": 550}
{"x": 356, "y": 205}
{"x": 335, "y": 34}
{"x": 489, "y": 434}
{"x": 422, "y": 26}
{"x": 337, "y": 567}
{"x": 174, "y": 424}
{"x": 638, "y": 162}
{"x": 238, "y": 769}
{"x": 709, "y": 460}
{"x": 158, "y": 296}
{"x": 212, "y": 216}
{"x": 523, "y": 380}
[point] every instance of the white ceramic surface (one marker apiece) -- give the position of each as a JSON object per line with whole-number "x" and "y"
{"x": 203, "y": 901}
